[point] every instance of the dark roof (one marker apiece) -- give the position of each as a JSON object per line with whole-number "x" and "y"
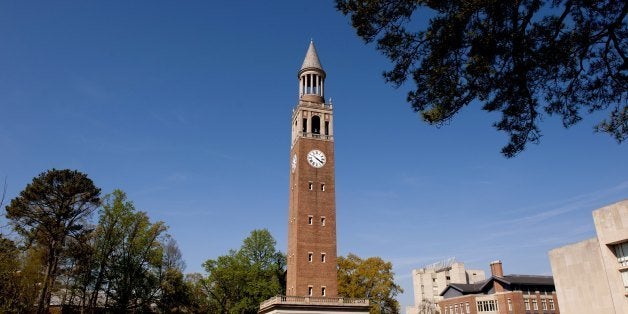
{"x": 516, "y": 280}
{"x": 526, "y": 280}
{"x": 468, "y": 288}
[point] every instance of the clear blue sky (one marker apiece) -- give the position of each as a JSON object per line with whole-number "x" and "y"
{"x": 186, "y": 106}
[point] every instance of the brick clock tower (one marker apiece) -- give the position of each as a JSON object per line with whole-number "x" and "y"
{"x": 312, "y": 206}
{"x": 312, "y": 281}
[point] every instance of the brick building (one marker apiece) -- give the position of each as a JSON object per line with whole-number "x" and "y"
{"x": 507, "y": 294}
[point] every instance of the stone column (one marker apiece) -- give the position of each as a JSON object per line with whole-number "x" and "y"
{"x": 309, "y": 121}
{"x": 331, "y": 125}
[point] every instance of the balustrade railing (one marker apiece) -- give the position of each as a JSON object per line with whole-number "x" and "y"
{"x": 282, "y": 299}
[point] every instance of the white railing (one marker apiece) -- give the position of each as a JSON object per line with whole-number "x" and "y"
{"x": 315, "y": 104}
{"x": 282, "y": 299}
{"x": 316, "y": 135}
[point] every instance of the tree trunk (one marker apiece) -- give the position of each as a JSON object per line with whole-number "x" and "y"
{"x": 44, "y": 297}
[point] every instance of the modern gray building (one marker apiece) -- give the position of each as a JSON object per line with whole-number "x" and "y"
{"x": 591, "y": 276}
{"x": 429, "y": 281}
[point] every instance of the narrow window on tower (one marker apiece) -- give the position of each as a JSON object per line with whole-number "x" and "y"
{"x": 309, "y": 256}
{"x": 323, "y": 291}
{"x": 304, "y": 125}
{"x": 323, "y": 187}
{"x": 309, "y": 290}
{"x": 326, "y": 127}
{"x": 316, "y": 125}
{"x": 322, "y": 220}
{"x": 310, "y": 185}
{"x": 323, "y": 257}
{"x": 310, "y": 219}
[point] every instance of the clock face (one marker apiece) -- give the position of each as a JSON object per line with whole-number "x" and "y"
{"x": 316, "y": 158}
{"x": 294, "y": 162}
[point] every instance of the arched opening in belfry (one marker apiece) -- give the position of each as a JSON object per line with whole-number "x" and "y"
{"x": 316, "y": 125}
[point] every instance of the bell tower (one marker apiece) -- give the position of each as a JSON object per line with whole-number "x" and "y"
{"x": 312, "y": 279}
{"x": 312, "y": 206}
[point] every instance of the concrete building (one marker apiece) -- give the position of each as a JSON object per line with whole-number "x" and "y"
{"x": 592, "y": 275}
{"x": 429, "y": 281}
{"x": 312, "y": 283}
{"x": 501, "y": 294}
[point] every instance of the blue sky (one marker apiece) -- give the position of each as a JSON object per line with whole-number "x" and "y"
{"x": 186, "y": 106}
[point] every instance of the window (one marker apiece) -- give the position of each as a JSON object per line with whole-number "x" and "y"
{"x": 323, "y": 187}
{"x": 468, "y": 308}
{"x": 323, "y": 291}
{"x": 455, "y": 308}
{"x": 543, "y": 304}
{"x": 509, "y": 304}
{"x": 310, "y": 185}
{"x": 309, "y": 290}
{"x": 621, "y": 251}
{"x": 624, "y": 277}
{"x": 535, "y": 306}
{"x": 486, "y": 306}
{"x": 309, "y": 256}
{"x": 322, "y": 220}
{"x": 304, "y": 125}
{"x": 551, "y": 304}
{"x": 526, "y": 303}
{"x": 310, "y": 219}
{"x": 322, "y": 257}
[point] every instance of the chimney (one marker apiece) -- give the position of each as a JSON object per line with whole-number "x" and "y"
{"x": 496, "y": 269}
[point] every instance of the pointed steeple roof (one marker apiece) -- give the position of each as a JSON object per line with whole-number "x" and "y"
{"x": 311, "y": 58}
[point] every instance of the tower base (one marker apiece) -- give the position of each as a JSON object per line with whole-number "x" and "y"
{"x": 307, "y": 305}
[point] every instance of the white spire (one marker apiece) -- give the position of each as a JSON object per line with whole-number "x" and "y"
{"x": 311, "y": 58}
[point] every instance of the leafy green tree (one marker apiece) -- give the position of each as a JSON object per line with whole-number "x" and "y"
{"x": 20, "y": 276}
{"x": 109, "y": 237}
{"x": 9, "y": 271}
{"x": 239, "y": 281}
{"x": 132, "y": 269}
{"x": 176, "y": 293}
{"x": 78, "y": 271}
{"x": 370, "y": 278}
{"x": 520, "y": 58}
{"x": 198, "y": 293}
{"x": 52, "y": 208}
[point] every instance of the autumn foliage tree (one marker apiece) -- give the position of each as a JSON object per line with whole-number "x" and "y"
{"x": 522, "y": 59}
{"x": 370, "y": 278}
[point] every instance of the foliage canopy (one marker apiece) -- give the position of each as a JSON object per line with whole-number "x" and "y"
{"x": 520, "y": 58}
{"x": 370, "y": 278}
{"x": 52, "y": 208}
{"x": 239, "y": 281}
